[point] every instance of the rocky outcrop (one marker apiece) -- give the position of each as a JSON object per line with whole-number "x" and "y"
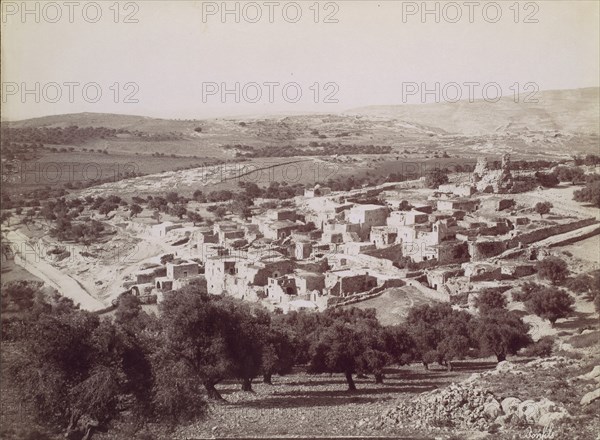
{"x": 592, "y": 375}
{"x": 497, "y": 181}
{"x": 456, "y": 406}
{"x": 468, "y": 406}
{"x": 510, "y": 405}
{"x": 463, "y": 406}
{"x": 590, "y": 397}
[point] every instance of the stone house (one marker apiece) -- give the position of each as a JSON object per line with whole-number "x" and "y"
{"x": 368, "y": 215}
{"x": 209, "y": 250}
{"x": 317, "y": 191}
{"x": 163, "y": 228}
{"x": 406, "y": 218}
{"x": 302, "y": 250}
{"x": 437, "y": 278}
{"x": 238, "y": 277}
{"x": 164, "y": 283}
{"x": 346, "y": 282}
{"x": 148, "y": 275}
{"x": 339, "y": 232}
{"x": 383, "y": 236}
{"x": 457, "y": 190}
{"x": 357, "y": 247}
{"x": 459, "y": 204}
{"x": 231, "y": 235}
{"x": 517, "y": 269}
{"x": 217, "y": 269}
{"x": 475, "y": 271}
{"x": 307, "y": 282}
{"x": 279, "y": 288}
{"x": 182, "y": 269}
{"x": 423, "y": 207}
{"x": 206, "y": 236}
{"x": 285, "y": 294}
{"x": 278, "y": 230}
{"x": 320, "y": 211}
{"x": 282, "y": 214}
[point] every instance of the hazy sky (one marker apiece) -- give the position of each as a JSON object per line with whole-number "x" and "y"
{"x": 374, "y": 52}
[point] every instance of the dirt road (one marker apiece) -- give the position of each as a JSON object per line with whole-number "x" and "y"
{"x": 31, "y": 260}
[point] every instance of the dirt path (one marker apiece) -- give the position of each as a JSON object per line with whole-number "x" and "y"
{"x": 147, "y": 249}
{"x": 37, "y": 266}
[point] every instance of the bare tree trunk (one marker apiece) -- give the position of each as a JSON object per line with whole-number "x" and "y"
{"x": 351, "y": 386}
{"x": 213, "y": 394}
{"x": 267, "y": 378}
{"x": 501, "y": 357}
{"x": 449, "y": 366}
{"x": 426, "y": 365}
{"x": 246, "y": 384}
{"x": 88, "y": 433}
{"x": 378, "y": 377}
{"x": 71, "y": 431}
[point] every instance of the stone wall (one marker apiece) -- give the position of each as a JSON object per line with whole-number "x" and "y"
{"x": 391, "y": 253}
{"x": 426, "y": 291}
{"x": 577, "y": 238}
{"x": 480, "y": 250}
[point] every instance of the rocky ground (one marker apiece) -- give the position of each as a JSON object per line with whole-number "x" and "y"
{"x": 557, "y": 397}
{"x": 302, "y": 405}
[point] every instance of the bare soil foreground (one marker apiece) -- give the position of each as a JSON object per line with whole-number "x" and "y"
{"x": 301, "y": 405}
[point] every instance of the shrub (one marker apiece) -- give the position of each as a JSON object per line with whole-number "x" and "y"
{"x": 550, "y": 303}
{"x": 167, "y": 258}
{"x": 570, "y": 354}
{"x": 590, "y": 193}
{"x": 547, "y": 180}
{"x": 553, "y": 269}
{"x": 527, "y": 289}
{"x": 541, "y": 348}
{"x": 489, "y": 300}
{"x": 543, "y": 208}
{"x": 435, "y": 178}
{"x": 587, "y": 340}
{"x": 500, "y": 333}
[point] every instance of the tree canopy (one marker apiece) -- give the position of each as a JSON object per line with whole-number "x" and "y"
{"x": 551, "y": 303}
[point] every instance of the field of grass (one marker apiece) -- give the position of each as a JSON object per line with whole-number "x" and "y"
{"x": 306, "y": 171}
{"x": 78, "y": 167}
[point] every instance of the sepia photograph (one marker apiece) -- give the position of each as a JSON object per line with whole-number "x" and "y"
{"x": 310, "y": 219}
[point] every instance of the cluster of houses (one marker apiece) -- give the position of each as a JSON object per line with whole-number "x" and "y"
{"x": 331, "y": 248}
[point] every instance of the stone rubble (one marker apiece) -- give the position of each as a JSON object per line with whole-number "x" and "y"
{"x": 467, "y": 406}
{"x": 592, "y": 375}
{"x": 590, "y": 397}
{"x": 462, "y": 406}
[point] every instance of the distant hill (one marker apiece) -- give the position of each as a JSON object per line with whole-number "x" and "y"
{"x": 256, "y": 131}
{"x": 567, "y": 111}
{"x": 109, "y": 120}
{"x": 562, "y": 123}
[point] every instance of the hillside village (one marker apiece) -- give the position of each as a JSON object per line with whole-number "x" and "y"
{"x": 411, "y": 261}
{"x": 332, "y": 249}
{"x": 308, "y": 220}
